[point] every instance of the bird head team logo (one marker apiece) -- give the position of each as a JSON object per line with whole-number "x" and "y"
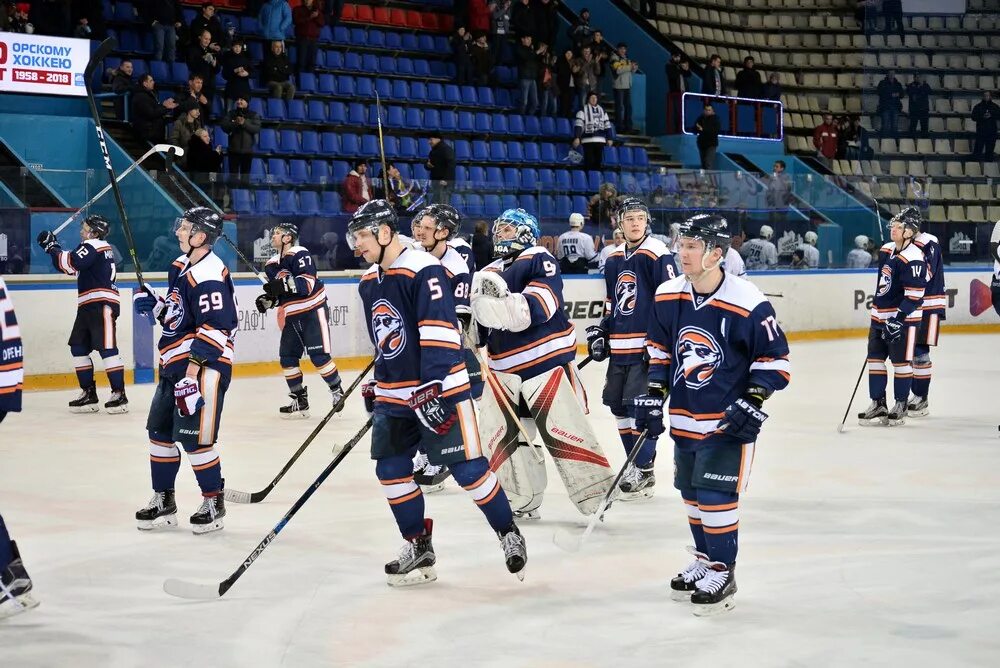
{"x": 625, "y": 293}
{"x": 884, "y": 280}
{"x": 699, "y": 356}
{"x": 173, "y": 312}
{"x": 387, "y": 325}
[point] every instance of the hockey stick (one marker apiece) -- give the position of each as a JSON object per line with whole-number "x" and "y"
{"x": 106, "y": 47}
{"x": 564, "y": 539}
{"x": 183, "y": 589}
{"x": 774, "y": 294}
{"x": 501, "y": 396}
{"x": 159, "y": 148}
{"x": 381, "y": 148}
{"x": 840, "y": 427}
{"x": 587, "y": 360}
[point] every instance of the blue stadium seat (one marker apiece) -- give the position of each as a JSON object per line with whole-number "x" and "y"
{"x": 532, "y": 127}
{"x": 340, "y": 170}
{"x": 438, "y": 69}
{"x": 493, "y": 181}
{"x": 463, "y": 150}
{"x": 220, "y": 138}
{"x": 473, "y": 205}
{"x": 263, "y": 202}
{"x": 548, "y": 153}
{"x": 325, "y": 35}
{"x": 329, "y": 203}
{"x": 352, "y": 61}
{"x": 579, "y": 181}
{"x": 129, "y": 40}
{"x": 391, "y": 147}
{"x": 369, "y": 146}
{"x": 363, "y": 87}
{"x": 466, "y": 122}
{"x": 548, "y": 126}
{"x": 404, "y": 67}
{"x": 492, "y": 206}
{"x": 349, "y": 145}
{"x": 515, "y": 152}
{"x": 610, "y": 177}
{"x": 639, "y": 157}
{"x": 485, "y": 96}
{"x": 319, "y": 172}
{"x": 337, "y": 113}
{"x": 369, "y": 63}
{"x": 611, "y": 156}
{"x": 320, "y": 61}
{"x": 421, "y": 68}
{"x": 289, "y": 142}
{"x": 257, "y": 105}
{"x": 529, "y": 178}
{"x": 476, "y": 178}
{"x": 309, "y": 202}
{"x": 394, "y": 116}
{"x": 482, "y": 122}
{"x": 480, "y": 151}
{"x": 435, "y": 92}
{"x": 505, "y": 75}
{"x": 413, "y": 118}
{"x": 515, "y": 124}
{"x": 139, "y": 68}
{"x": 410, "y": 42}
{"x": 307, "y": 82}
{"x": 178, "y": 72}
{"x": 393, "y": 41}
{"x": 330, "y": 143}
{"x": 625, "y": 156}
{"x": 469, "y": 95}
{"x": 267, "y": 141}
{"x": 258, "y": 172}
{"x": 248, "y": 25}
{"x": 400, "y": 90}
{"x": 498, "y": 151}
{"x": 529, "y": 203}
{"x": 256, "y": 51}
{"x": 564, "y": 183}
{"x": 357, "y": 114}
{"x": 511, "y": 176}
{"x": 158, "y": 68}
{"x": 564, "y": 128}
{"x": 423, "y": 147}
{"x": 376, "y": 39}
{"x": 277, "y": 170}
{"x": 316, "y": 111}
{"x": 498, "y": 124}
{"x": 310, "y": 142}
{"x": 327, "y": 84}
{"x": 334, "y": 60}
{"x": 384, "y": 88}
{"x": 298, "y": 172}
{"x": 358, "y": 37}
{"x": 426, "y": 43}
{"x": 509, "y": 202}
{"x": 449, "y": 121}
{"x": 440, "y": 44}
{"x": 457, "y": 201}
{"x": 418, "y": 91}
{"x": 345, "y": 85}
{"x": 546, "y": 179}
{"x": 241, "y": 200}
{"x": 580, "y": 204}
{"x": 408, "y": 145}
{"x": 420, "y": 172}
{"x": 432, "y": 120}
{"x": 461, "y": 177}
{"x": 564, "y": 206}
{"x": 546, "y": 206}
{"x": 594, "y": 181}
{"x": 296, "y": 110}
{"x": 531, "y": 152}
{"x": 452, "y": 95}
{"x": 341, "y": 35}
{"x": 386, "y": 65}
{"x": 504, "y": 98}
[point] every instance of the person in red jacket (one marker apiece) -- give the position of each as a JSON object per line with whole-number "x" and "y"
{"x": 479, "y": 18}
{"x": 825, "y": 139}
{"x": 357, "y": 187}
{"x": 309, "y": 20}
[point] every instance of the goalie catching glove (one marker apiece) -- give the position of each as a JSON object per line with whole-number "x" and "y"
{"x": 434, "y": 411}
{"x": 495, "y": 307}
{"x": 744, "y": 417}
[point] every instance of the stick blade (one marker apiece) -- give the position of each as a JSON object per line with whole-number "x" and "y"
{"x": 567, "y": 541}
{"x": 99, "y": 54}
{"x": 191, "y": 590}
{"x": 236, "y": 496}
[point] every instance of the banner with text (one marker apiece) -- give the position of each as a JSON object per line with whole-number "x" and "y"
{"x": 42, "y": 64}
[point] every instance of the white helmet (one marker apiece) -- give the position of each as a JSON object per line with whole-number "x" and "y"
{"x": 811, "y": 237}
{"x": 766, "y": 231}
{"x": 675, "y": 229}
{"x": 576, "y": 220}
{"x": 861, "y": 241}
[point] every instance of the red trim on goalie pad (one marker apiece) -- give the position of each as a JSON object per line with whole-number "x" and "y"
{"x": 502, "y": 454}
{"x": 561, "y": 449}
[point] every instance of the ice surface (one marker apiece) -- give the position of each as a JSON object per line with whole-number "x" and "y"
{"x": 875, "y": 547}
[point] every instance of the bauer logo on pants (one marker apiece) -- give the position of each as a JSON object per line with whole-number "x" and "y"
{"x": 387, "y": 325}
{"x": 700, "y": 356}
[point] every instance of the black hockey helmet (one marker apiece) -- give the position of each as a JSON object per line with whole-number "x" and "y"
{"x": 99, "y": 225}
{"x": 370, "y": 216}
{"x": 630, "y": 203}
{"x": 909, "y": 218}
{"x": 203, "y": 219}
{"x": 291, "y": 229}
{"x": 711, "y": 228}
{"x": 445, "y": 216}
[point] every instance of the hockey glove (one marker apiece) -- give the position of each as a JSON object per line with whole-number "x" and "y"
{"x": 265, "y": 302}
{"x": 893, "y": 330}
{"x": 146, "y": 302}
{"x": 649, "y": 412}
{"x": 48, "y": 241}
{"x": 744, "y": 418}
{"x": 432, "y": 409}
{"x": 337, "y": 392}
{"x": 280, "y": 287}
{"x": 368, "y": 394}
{"x": 598, "y": 343}
{"x": 188, "y": 396}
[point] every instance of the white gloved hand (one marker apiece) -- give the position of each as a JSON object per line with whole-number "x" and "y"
{"x": 489, "y": 284}
{"x": 509, "y": 313}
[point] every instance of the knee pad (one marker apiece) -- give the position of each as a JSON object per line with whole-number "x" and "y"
{"x": 394, "y": 468}
{"x": 922, "y": 358}
{"x": 288, "y": 362}
{"x": 79, "y": 351}
{"x": 320, "y": 359}
{"x": 713, "y": 497}
{"x": 468, "y": 472}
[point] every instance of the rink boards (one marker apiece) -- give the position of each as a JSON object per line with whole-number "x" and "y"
{"x": 809, "y": 304}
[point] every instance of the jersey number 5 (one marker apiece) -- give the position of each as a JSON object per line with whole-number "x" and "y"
{"x": 770, "y": 325}
{"x": 210, "y": 302}
{"x": 435, "y": 287}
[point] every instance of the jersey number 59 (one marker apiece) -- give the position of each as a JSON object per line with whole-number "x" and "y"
{"x": 210, "y": 302}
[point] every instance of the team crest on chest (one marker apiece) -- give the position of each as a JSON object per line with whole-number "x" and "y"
{"x": 626, "y": 290}
{"x": 884, "y": 280}
{"x": 387, "y": 326}
{"x": 173, "y": 313}
{"x": 699, "y": 356}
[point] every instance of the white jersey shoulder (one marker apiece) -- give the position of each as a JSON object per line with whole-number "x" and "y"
{"x": 534, "y": 250}
{"x": 913, "y": 252}
{"x": 925, "y": 238}
{"x": 454, "y": 262}
{"x": 674, "y": 286}
{"x": 458, "y": 241}
{"x": 740, "y": 292}
{"x": 654, "y": 245}
{"x": 888, "y": 247}
{"x": 414, "y": 260}
{"x": 734, "y": 263}
{"x": 296, "y": 249}
{"x": 209, "y": 268}
{"x": 99, "y": 245}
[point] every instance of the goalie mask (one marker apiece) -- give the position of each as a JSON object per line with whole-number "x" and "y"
{"x": 513, "y": 232}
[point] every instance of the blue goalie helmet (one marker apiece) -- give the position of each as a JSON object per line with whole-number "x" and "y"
{"x": 526, "y": 233}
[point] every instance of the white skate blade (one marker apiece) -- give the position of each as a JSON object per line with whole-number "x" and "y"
{"x": 190, "y": 590}
{"x": 569, "y": 541}
{"x": 81, "y": 410}
{"x": 198, "y": 529}
{"x": 297, "y": 415}
{"x": 161, "y": 522}
{"x": 520, "y": 574}
{"x": 116, "y": 410}
{"x": 417, "y": 576}
{"x": 19, "y": 604}
{"x": 641, "y": 495}
{"x": 711, "y": 609}
{"x": 680, "y": 596}
{"x": 431, "y": 489}
{"x": 919, "y": 412}
{"x": 236, "y": 496}
{"x": 873, "y": 422}
{"x": 528, "y": 514}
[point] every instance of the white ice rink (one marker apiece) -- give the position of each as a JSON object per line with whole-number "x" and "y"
{"x": 875, "y": 547}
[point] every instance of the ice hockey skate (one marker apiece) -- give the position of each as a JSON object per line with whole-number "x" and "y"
{"x": 415, "y": 563}
{"x": 431, "y": 478}
{"x": 683, "y": 585}
{"x": 638, "y": 483}
{"x": 875, "y": 415}
{"x": 160, "y": 512}
{"x": 897, "y": 415}
{"x": 15, "y": 587}
{"x": 117, "y": 404}
{"x": 87, "y": 401}
{"x": 209, "y": 516}
{"x": 515, "y": 551}
{"x": 298, "y": 409}
{"x": 917, "y": 407}
{"x": 533, "y": 514}
{"x": 714, "y": 592}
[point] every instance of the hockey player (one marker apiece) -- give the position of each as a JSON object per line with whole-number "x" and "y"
{"x": 532, "y": 347}
{"x": 617, "y": 239}
{"x": 760, "y": 253}
{"x": 995, "y": 254}
{"x": 933, "y": 311}
{"x": 860, "y": 257}
{"x": 809, "y": 250}
{"x": 463, "y": 248}
{"x": 896, "y": 315}
{"x": 15, "y": 583}
{"x": 97, "y": 308}
{"x": 434, "y": 228}
{"x": 294, "y": 287}
{"x": 420, "y": 395}
{"x": 632, "y": 274}
{"x": 733, "y": 263}
{"x": 199, "y": 320}
{"x": 574, "y": 248}
{"x": 716, "y": 348}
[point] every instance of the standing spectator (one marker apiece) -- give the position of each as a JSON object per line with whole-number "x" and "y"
{"x": 580, "y": 33}
{"x": 207, "y": 20}
{"x": 892, "y": 10}
{"x": 500, "y": 26}
{"x": 647, "y": 8}
{"x": 405, "y": 196}
{"x": 585, "y": 76}
{"x": 748, "y": 83}
{"x": 845, "y": 137}
{"x": 275, "y": 19}
{"x": 779, "y": 190}
{"x": 441, "y": 165}
{"x": 707, "y": 128}
{"x": 203, "y": 160}
{"x": 772, "y": 89}
{"x": 357, "y": 187}
{"x": 242, "y": 124}
{"x": 276, "y": 72}
{"x": 523, "y": 19}
{"x": 602, "y": 53}
{"x": 548, "y": 80}
{"x": 309, "y": 20}
{"x": 184, "y": 128}
{"x": 336, "y": 7}
{"x": 890, "y": 94}
{"x": 482, "y": 60}
{"x": 460, "y": 51}
{"x": 547, "y": 20}
{"x": 713, "y": 83}
{"x": 164, "y": 17}
{"x": 825, "y": 139}
{"x": 236, "y": 67}
{"x": 678, "y": 83}
{"x": 919, "y": 93}
{"x": 623, "y": 69}
{"x": 482, "y": 244}
{"x": 148, "y": 114}
{"x": 123, "y": 85}
{"x": 593, "y": 129}
{"x": 479, "y": 17}
{"x": 564, "y": 80}
{"x": 866, "y": 14}
{"x": 601, "y": 206}
{"x": 203, "y": 61}
{"x": 91, "y": 14}
{"x": 575, "y": 248}
{"x": 527, "y": 75}
{"x": 195, "y": 96}
{"x": 985, "y": 114}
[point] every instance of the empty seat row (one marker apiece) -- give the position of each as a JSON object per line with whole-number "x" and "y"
{"x": 345, "y": 85}
{"x": 399, "y": 18}
{"x": 286, "y": 202}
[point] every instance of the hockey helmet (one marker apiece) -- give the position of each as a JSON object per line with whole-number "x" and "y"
{"x": 204, "y": 220}
{"x": 811, "y": 237}
{"x": 909, "y": 218}
{"x": 445, "y": 217}
{"x": 575, "y": 221}
{"x": 861, "y": 241}
{"x": 526, "y": 233}
{"x": 99, "y": 225}
{"x": 766, "y": 232}
{"x": 370, "y": 216}
{"x": 627, "y": 204}
{"x": 291, "y": 229}
{"x": 711, "y": 228}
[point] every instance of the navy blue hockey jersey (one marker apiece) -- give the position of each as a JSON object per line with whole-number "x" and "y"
{"x": 93, "y": 262}
{"x": 309, "y": 291}
{"x": 200, "y": 317}
{"x": 709, "y": 349}
{"x": 935, "y": 298}
{"x": 902, "y": 281}
{"x": 414, "y": 329}
{"x": 11, "y": 355}
{"x": 550, "y": 340}
{"x": 631, "y": 276}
